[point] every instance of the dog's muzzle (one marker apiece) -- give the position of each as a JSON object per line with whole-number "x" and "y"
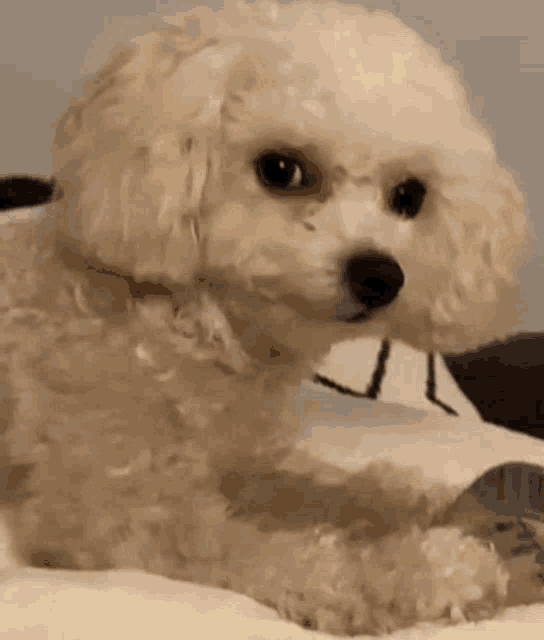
{"x": 370, "y": 282}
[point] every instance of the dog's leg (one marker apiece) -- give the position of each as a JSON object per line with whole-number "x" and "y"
{"x": 330, "y": 556}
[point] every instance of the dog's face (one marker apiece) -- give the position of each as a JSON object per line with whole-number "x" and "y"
{"x": 319, "y": 159}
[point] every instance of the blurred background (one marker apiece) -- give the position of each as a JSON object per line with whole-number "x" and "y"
{"x": 497, "y": 47}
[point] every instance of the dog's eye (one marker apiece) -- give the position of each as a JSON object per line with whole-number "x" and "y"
{"x": 406, "y": 198}
{"x": 278, "y": 172}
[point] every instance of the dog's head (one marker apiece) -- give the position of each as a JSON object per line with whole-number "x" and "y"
{"x": 315, "y": 156}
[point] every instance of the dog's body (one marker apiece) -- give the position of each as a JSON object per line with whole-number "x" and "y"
{"x": 238, "y": 196}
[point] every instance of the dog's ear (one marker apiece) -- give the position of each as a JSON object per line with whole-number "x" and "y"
{"x": 133, "y": 155}
{"x": 490, "y": 238}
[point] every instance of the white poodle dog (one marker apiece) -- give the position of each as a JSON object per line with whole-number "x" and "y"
{"x": 241, "y": 189}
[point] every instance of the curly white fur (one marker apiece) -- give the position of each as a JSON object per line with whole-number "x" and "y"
{"x": 161, "y": 314}
{"x": 176, "y": 115}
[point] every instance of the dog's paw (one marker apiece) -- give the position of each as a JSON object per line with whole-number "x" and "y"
{"x": 442, "y": 574}
{"x": 342, "y": 616}
{"x": 403, "y": 579}
{"x": 436, "y": 575}
{"x": 318, "y": 584}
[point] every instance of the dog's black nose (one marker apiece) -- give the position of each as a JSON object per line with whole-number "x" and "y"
{"x": 372, "y": 281}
